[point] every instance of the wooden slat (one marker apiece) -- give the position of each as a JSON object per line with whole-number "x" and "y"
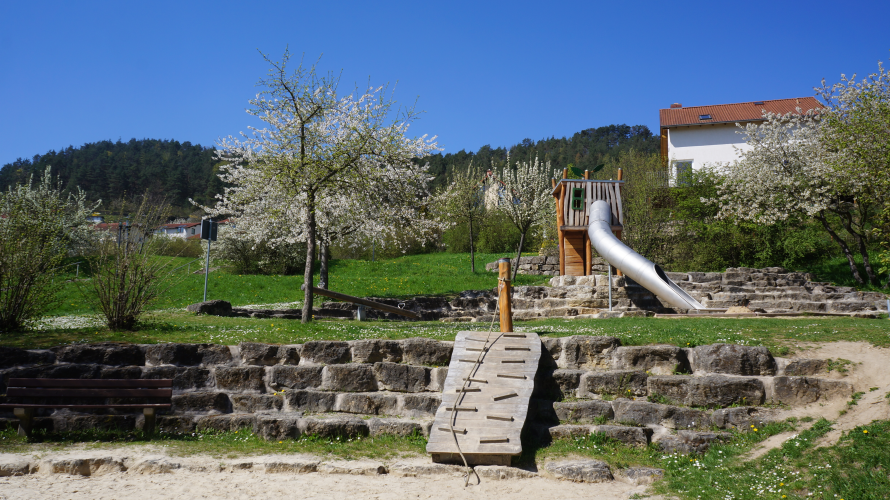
{"x": 89, "y": 383}
{"x": 39, "y": 392}
{"x": 620, "y": 205}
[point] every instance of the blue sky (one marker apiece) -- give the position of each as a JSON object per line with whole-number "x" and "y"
{"x": 484, "y": 72}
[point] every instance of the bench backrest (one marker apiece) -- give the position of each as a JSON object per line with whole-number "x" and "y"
{"x": 89, "y": 388}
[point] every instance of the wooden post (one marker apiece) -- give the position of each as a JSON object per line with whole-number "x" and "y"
{"x": 587, "y": 175}
{"x": 504, "y": 294}
{"x": 565, "y": 173}
{"x": 553, "y": 183}
{"x": 588, "y": 254}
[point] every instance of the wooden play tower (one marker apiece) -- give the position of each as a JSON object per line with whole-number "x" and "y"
{"x": 573, "y": 200}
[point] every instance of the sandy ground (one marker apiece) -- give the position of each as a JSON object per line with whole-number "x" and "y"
{"x": 248, "y": 485}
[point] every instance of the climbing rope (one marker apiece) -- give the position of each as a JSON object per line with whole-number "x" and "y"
{"x": 502, "y": 282}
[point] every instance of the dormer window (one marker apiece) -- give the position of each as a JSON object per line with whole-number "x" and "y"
{"x": 758, "y": 103}
{"x": 704, "y": 117}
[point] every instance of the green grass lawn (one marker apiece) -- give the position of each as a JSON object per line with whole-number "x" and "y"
{"x": 443, "y": 274}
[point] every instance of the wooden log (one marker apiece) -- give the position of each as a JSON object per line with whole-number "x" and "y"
{"x": 588, "y": 255}
{"x": 504, "y": 295}
{"x": 562, "y": 235}
{"x": 364, "y": 302}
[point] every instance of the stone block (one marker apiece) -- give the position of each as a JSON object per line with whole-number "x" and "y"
{"x": 292, "y": 467}
{"x": 17, "y": 467}
{"x": 583, "y": 411}
{"x": 187, "y": 354}
{"x": 710, "y": 391}
{"x": 82, "y": 467}
{"x": 367, "y": 403}
{"x": 657, "y": 360}
{"x": 806, "y": 390}
{"x": 672, "y": 417}
{"x": 343, "y": 427}
{"x": 289, "y": 354}
{"x": 310, "y": 401}
{"x": 580, "y": 471}
{"x": 171, "y": 424}
{"x": 13, "y": 356}
{"x": 804, "y": 367}
{"x": 401, "y": 378}
{"x": 184, "y": 377}
{"x": 568, "y": 431}
{"x": 568, "y": 380}
{"x": 277, "y": 428}
{"x": 418, "y": 351}
{"x": 624, "y": 383}
{"x": 733, "y": 359}
{"x": 585, "y": 352}
{"x": 107, "y": 353}
{"x": 74, "y": 423}
{"x": 296, "y": 377}
{"x": 240, "y": 378}
{"x": 375, "y": 350}
{"x": 228, "y": 422}
{"x": 634, "y": 436}
{"x": 211, "y": 307}
{"x": 742, "y": 417}
{"x": 251, "y": 403}
{"x": 325, "y": 352}
{"x": 120, "y": 372}
{"x": 551, "y": 350}
{"x": 437, "y": 378}
{"x": 351, "y": 377}
{"x": 201, "y": 402}
{"x": 639, "y": 476}
{"x": 253, "y": 353}
{"x": 421, "y": 405}
{"x": 690, "y": 442}
{"x": 394, "y": 427}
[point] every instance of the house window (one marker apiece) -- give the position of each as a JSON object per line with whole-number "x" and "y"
{"x": 193, "y": 230}
{"x": 704, "y": 117}
{"x": 683, "y": 172}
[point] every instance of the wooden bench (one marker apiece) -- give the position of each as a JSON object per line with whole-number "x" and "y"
{"x": 71, "y": 393}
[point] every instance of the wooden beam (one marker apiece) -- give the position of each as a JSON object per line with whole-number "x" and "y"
{"x": 588, "y": 255}
{"x": 560, "y": 221}
{"x": 364, "y": 302}
{"x": 504, "y": 293}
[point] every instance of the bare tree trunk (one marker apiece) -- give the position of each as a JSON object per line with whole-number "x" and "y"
{"x": 323, "y": 268}
{"x": 518, "y": 255}
{"x": 844, "y": 248}
{"x": 472, "y": 254}
{"x": 847, "y": 221}
{"x": 310, "y": 258}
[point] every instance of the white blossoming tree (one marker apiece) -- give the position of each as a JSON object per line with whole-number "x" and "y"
{"x": 324, "y": 160}
{"x": 461, "y": 201}
{"x": 38, "y": 225}
{"x": 858, "y": 130}
{"x": 527, "y": 201}
{"x": 788, "y": 172}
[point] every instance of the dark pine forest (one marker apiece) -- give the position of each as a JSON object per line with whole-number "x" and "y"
{"x": 108, "y": 170}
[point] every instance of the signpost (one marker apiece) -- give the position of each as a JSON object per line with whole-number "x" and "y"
{"x": 208, "y": 232}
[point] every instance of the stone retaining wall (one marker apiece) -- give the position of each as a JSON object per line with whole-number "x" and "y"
{"x": 372, "y": 387}
{"x": 547, "y": 266}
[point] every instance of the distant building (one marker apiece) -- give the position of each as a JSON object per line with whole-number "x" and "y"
{"x": 694, "y": 136}
{"x": 180, "y": 230}
{"x": 96, "y": 217}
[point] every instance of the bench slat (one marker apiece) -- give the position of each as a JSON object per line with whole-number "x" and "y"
{"x": 89, "y": 393}
{"x": 86, "y": 407}
{"x": 89, "y": 383}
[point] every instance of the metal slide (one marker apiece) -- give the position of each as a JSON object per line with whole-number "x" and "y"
{"x": 638, "y": 268}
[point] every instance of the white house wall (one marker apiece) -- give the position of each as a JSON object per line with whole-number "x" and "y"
{"x": 705, "y": 144}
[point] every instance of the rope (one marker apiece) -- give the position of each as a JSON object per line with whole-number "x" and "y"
{"x": 473, "y": 370}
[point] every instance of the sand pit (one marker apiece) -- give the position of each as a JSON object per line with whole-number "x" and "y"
{"x": 248, "y": 484}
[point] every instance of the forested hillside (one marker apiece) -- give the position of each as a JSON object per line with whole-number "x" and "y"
{"x": 106, "y": 170}
{"x": 586, "y": 149}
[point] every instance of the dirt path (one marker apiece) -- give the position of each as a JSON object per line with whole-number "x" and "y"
{"x": 870, "y": 368}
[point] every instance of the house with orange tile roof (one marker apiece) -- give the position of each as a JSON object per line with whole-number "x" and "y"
{"x": 694, "y": 136}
